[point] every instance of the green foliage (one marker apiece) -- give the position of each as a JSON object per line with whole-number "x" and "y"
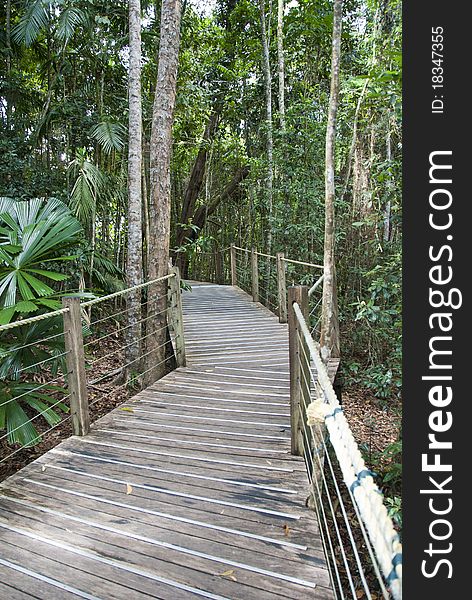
{"x": 89, "y": 182}
{"x": 109, "y": 135}
{"x": 35, "y": 18}
{"x": 32, "y": 234}
{"x": 394, "y": 506}
{"x": 21, "y": 356}
{"x": 387, "y": 466}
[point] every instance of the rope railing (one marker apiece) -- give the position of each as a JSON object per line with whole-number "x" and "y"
{"x": 340, "y": 481}
{"x": 256, "y": 274}
{"x": 52, "y": 374}
{"x": 316, "y": 285}
{"x": 304, "y": 264}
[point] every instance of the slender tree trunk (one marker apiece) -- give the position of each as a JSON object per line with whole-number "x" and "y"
{"x": 145, "y": 215}
{"x": 134, "y": 262}
{"x": 281, "y": 62}
{"x": 329, "y": 339}
{"x": 8, "y": 56}
{"x": 352, "y": 147}
{"x": 388, "y": 204}
{"x": 269, "y": 141}
{"x": 160, "y": 184}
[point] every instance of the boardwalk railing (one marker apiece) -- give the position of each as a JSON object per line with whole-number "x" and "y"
{"x": 362, "y": 548}
{"x": 266, "y": 276}
{"x": 57, "y": 367}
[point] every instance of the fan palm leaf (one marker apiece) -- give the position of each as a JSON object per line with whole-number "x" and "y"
{"x": 31, "y": 233}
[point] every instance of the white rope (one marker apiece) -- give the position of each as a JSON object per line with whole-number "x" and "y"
{"x": 290, "y": 260}
{"x": 127, "y": 290}
{"x": 13, "y": 324}
{"x": 357, "y": 477}
{"x": 255, "y": 252}
{"x": 314, "y": 417}
{"x": 61, "y": 311}
{"x": 300, "y": 262}
{"x": 315, "y": 285}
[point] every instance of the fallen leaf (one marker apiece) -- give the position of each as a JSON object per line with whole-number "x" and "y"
{"x": 286, "y": 530}
{"x": 359, "y": 594}
{"x": 127, "y": 408}
{"x": 229, "y": 574}
{"x": 129, "y": 489}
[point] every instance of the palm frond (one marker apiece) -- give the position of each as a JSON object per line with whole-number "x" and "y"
{"x": 110, "y": 136}
{"x": 82, "y": 199}
{"x": 88, "y": 185}
{"x": 68, "y": 21}
{"x": 31, "y": 22}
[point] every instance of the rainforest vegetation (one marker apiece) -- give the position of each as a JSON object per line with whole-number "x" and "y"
{"x": 134, "y": 131}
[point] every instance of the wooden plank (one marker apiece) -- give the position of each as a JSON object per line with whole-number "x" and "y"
{"x": 126, "y": 512}
{"x": 151, "y": 559}
{"x": 297, "y": 564}
{"x": 67, "y": 484}
{"x": 223, "y": 495}
{"x": 101, "y": 576}
{"x": 73, "y": 571}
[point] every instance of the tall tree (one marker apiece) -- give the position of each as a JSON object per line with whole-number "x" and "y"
{"x": 269, "y": 127}
{"x": 281, "y": 61}
{"x": 134, "y": 266}
{"x": 160, "y": 183}
{"x": 8, "y": 53}
{"x": 329, "y": 339}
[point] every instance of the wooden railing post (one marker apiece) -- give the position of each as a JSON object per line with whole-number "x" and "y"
{"x": 234, "y": 277}
{"x": 219, "y": 267}
{"x": 75, "y": 360}
{"x": 176, "y": 316}
{"x": 281, "y": 288}
{"x": 254, "y": 276}
{"x": 298, "y": 366}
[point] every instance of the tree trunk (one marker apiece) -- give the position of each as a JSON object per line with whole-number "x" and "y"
{"x": 269, "y": 142}
{"x": 195, "y": 183}
{"x": 160, "y": 185}
{"x": 8, "y": 56}
{"x": 281, "y": 62}
{"x": 388, "y": 204}
{"x": 329, "y": 339}
{"x": 134, "y": 263}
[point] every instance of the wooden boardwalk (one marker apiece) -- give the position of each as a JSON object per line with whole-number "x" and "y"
{"x": 188, "y": 490}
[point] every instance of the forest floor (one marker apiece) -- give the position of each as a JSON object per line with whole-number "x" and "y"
{"x": 373, "y": 426}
